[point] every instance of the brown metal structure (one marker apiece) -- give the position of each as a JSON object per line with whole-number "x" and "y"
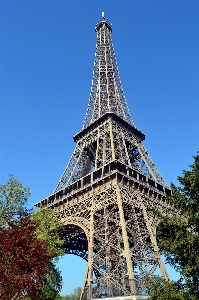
{"x": 103, "y": 194}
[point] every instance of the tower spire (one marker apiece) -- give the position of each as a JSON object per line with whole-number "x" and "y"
{"x": 106, "y": 94}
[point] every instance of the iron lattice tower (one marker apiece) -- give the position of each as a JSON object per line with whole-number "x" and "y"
{"x": 103, "y": 194}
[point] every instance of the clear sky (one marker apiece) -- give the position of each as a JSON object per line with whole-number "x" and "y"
{"x": 47, "y": 56}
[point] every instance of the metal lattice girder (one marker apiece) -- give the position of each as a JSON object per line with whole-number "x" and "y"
{"x": 109, "y": 138}
{"x": 103, "y": 194}
{"x": 110, "y": 227}
{"x": 106, "y": 94}
{"x": 98, "y": 144}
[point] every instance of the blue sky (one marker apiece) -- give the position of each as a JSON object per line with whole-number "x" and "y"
{"x": 47, "y": 56}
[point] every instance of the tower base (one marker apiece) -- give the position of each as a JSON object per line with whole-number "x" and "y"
{"x": 133, "y": 297}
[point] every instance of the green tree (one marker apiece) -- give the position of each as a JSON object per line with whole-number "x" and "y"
{"x": 75, "y": 296}
{"x": 178, "y": 238}
{"x": 49, "y": 228}
{"x": 13, "y": 197}
{"x": 53, "y": 283}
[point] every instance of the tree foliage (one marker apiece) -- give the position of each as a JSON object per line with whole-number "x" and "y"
{"x": 13, "y": 196}
{"x": 75, "y": 296}
{"x": 178, "y": 237}
{"x": 49, "y": 229}
{"x": 53, "y": 283}
{"x": 24, "y": 260}
{"x": 163, "y": 290}
{"x": 38, "y": 239}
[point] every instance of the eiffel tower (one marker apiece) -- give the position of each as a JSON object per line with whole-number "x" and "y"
{"x": 104, "y": 191}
